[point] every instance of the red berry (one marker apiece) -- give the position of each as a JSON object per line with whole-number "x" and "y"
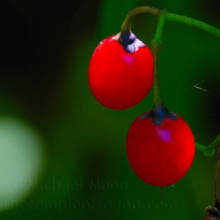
{"x": 120, "y": 75}
{"x": 162, "y": 154}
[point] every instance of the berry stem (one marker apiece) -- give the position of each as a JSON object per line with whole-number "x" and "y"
{"x": 209, "y": 150}
{"x": 194, "y": 23}
{"x": 126, "y": 26}
{"x": 160, "y": 26}
{"x": 163, "y": 16}
{"x": 156, "y": 88}
{"x": 156, "y": 45}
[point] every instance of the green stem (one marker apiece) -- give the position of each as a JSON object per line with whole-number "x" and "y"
{"x": 160, "y": 26}
{"x": 214, "y": 144}
{"x": 210, "y": 149}
{"x": 126, "y": 26}
{"x": 193, "y": 22}
{"x": 165, "y": 15}
{"x": 156, "y": 88}
{"x": 200, "y": 147}
{"x": 156, "y": 43}
{"x": 203, "y": 148}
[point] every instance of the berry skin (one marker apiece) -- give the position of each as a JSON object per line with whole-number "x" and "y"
{"x": 162, "y": 154}
{"x": 120, "y": 75}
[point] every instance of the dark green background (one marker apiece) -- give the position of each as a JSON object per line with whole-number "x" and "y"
{"x": 45, "y": 48}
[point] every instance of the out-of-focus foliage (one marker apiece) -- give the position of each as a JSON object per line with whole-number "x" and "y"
{"x": 44, "y": 57}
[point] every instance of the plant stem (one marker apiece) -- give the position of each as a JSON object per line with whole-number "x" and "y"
{"x": 210, "y": 149}
{"x": 126, "y": 26}
{"x": 193, "y": 22}
{"x": 156, "y": 88}
{"x": 214, "y": 144}
{"x": 156, "y": 43}
{"x": 200, "y": 147}
{"x": 205, "y": 150}
{"x": 160, "y": 26}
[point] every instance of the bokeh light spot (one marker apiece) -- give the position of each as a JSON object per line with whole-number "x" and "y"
{"x": 21, "y": 160}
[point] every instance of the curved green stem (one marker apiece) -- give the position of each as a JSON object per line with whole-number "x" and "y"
{"x": 206, "y": 152}
{"x": 210, "y": 149}
{"x": 194, "y": 23}
{"x": 163, "y": 16}
{"x": 214, "y": 144}
{"x": 126, "y": 26}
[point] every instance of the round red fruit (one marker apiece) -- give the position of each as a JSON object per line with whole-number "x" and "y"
{"x": 162, "y": 154}
{"x": 120, "y": 74}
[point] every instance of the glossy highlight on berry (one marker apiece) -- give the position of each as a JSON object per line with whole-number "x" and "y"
{"x": 160, "y": 155}
{"x": 119, "y": 79}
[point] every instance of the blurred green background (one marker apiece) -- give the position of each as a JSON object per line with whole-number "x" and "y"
{"x": 62, "y": 154}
